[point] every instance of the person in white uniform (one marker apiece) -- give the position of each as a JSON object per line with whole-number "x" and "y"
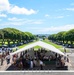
{"x": 31, "y": 64}
{"x": 41, "y": 65}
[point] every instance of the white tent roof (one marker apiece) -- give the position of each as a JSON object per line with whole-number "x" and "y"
{"x": 39, "y": 43}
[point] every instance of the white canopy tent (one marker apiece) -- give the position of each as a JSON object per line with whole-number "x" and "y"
{"x": 41, "y": 44}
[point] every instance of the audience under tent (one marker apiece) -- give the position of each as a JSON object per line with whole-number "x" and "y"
{"x": 32, "y": 59}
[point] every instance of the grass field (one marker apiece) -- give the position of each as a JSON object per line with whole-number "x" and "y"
{"x": 55, "y": 45}
{"x": 36, "y": 48}
{"x": 25, "y": 45}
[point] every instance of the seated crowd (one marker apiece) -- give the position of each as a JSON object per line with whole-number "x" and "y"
{"x": 25, "y": 61}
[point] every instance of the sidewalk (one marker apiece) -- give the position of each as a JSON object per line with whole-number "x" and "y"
{"x": 71, "y": 61}
{"x": 4, "y": 66}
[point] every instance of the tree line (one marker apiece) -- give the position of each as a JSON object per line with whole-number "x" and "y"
{"x": 63, "y": 37}
{"x": 13, "y": 35}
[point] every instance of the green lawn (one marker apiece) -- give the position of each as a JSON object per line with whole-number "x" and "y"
{"x": 25, "y": 45}
{"x": 36, "y": 47}
{"x": 55, "y": 45}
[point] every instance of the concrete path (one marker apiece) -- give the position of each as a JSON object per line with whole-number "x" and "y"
{"x": 71, "y": 58}
{"x": 4, "y": 66}
{"x": 37, "y": 73}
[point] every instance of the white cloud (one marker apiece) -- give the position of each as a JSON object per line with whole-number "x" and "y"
{"x": 3, "y": 15}
{"x": 25, "y": 21}
{"x": 59, "y": 17}
{"x": 36, "y": 22}
{"x": 54, "y": 17}
{"x": 46, "y": 15}
{"x": 10, "y": 8}
{"x": 70, "y": 9}
{"x": 18, "y": 10}
{"x": 53, "y": 29}
{"x": 12, "y": 23}
{"x": 4, "y": 5}
{"x": 14, "y": 19}
{"x": 18, "y": 21}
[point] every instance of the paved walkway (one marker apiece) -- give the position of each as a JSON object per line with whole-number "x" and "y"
{"x": 71, "y": 57}
{"x": 4, "y": 66}
{"x": 37, "y": 73}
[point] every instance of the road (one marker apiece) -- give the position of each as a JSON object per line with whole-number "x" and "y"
{"x": 71, "y": 58}
{"x": 37, "y": 73}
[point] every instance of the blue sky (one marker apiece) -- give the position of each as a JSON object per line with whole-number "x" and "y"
{"x": 37, "y": 16}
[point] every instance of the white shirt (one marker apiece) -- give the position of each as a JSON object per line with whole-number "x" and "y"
{"x": 31, "y": 64}
{"x": 41, "y": 63}
{"x": 8, "y": 57}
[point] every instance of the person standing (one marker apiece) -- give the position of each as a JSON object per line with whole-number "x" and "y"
{"x": 2, "y": 59}
{"x": 23, "y": 62}
{"x": 68, "y": 58}
{"x": 8, "y": 58}
{"x": 31, "y": 64}
{"x": 41, "y": 65}
{"x": 64, "y": 50}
